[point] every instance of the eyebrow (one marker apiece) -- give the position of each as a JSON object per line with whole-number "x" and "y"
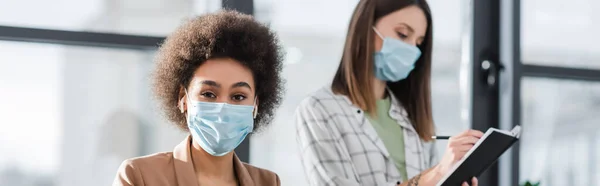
{"x": 241, "y": 84}
{"x": 210, "y": 83}
{"x": 217, "y": 85}
{"x": 407, "y": 26}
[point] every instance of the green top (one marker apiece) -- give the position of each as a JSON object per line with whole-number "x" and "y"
{"x": 391, "y": 134}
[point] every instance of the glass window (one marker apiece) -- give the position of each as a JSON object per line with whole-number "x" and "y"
{"x": 317, "y": 50}
{"x": 70, "y": 115}
{"x": 140, "y": 17}
{"x": 314, "y": 50}
{"x": 560, "y": 144}
{"x": 561, "y": 33}
{"x": 449, "y": 97}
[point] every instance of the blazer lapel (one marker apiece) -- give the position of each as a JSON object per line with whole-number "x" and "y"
{"x": 184, "y": 168}
{"x": 241, "y": 172}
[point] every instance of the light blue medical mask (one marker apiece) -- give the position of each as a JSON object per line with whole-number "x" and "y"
{"x": 219, "y": 127}
{"x": 395, "y": 60}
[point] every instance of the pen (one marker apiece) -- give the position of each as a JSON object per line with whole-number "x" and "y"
{"x": 440, "y": 137}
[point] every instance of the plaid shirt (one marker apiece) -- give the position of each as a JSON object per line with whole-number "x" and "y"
{"x": 339, "y": 146}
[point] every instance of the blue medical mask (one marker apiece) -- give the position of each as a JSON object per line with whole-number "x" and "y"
{"x": 219, "y": 127}
{"x": 395, "y": 60}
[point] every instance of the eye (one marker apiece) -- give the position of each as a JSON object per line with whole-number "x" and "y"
{"x": 208, "y": 95}
{"x": 238, "y": 97}
{"x": 401, "y": 35}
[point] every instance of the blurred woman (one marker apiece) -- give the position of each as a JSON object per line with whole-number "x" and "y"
{"x": 373, "y": 125}
{"x": 218, "y": 79}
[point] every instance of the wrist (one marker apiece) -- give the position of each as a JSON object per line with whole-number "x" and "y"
{"x": 433, "y": 176}
{"x": 438, "y": 171}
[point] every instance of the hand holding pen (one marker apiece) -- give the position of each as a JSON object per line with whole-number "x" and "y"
{"x": 457, "y": 147}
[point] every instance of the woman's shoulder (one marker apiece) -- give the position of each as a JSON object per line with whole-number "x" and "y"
{"x": 262, "y": 176}
{"x": 157, "y": 160}
{"x": 155, "y": 167}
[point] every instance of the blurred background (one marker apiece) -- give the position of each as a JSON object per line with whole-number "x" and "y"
{"x": 75, "y": 97}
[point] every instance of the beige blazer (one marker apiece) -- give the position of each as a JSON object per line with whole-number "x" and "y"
{"x": 175, "y": 168}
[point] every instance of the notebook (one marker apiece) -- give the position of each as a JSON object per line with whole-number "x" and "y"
{"x": 483, "y": 154}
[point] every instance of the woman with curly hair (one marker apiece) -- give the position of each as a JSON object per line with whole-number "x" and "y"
{"x": 218, "y": 78}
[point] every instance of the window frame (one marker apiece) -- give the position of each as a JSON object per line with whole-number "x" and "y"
{"x": 113, "y": 41}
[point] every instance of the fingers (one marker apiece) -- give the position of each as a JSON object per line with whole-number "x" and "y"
{"x": 458, "y": 146}
{"x": 464, "y": 140}
{"x": 462, "y": 148}
{"x": 473, "y": 181}
{"x": 475, "y": 133}
{"x": 472, "y": 132}
{"x": 461, "y": 144}
{"x": 466, "y": 137}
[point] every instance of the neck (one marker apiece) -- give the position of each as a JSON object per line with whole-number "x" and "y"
{"x": 212, "y": 167}
{"x": 379, "y": 88}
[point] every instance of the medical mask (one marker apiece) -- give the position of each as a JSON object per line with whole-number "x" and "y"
{"x": 395, "y": 60}
{"x": 219, "y": 127}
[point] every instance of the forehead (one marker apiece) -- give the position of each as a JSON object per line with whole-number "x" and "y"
{"x": 412, "y": 15}
{"x": 224, "y": 71}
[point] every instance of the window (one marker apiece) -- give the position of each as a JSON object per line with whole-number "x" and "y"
{"x": 71, "y": 115}
{"x": 450, "y": 100}
{"x": 307, "y": 50}
{"x": 143, "y": 17}
{"x": 561, "y": 33}
{"x": 560, "y": 144}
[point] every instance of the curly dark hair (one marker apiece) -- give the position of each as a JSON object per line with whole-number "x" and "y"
{"x": 225, "y": 34}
